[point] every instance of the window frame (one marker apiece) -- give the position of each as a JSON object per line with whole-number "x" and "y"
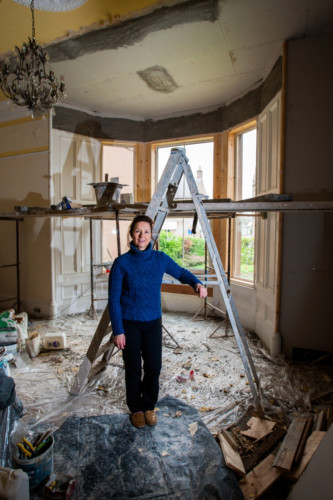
{"x": 233, "y": 138}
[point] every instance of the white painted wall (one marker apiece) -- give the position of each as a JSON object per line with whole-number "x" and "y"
{"x": 75, "y": 164}
{"x": 266, "y": 234}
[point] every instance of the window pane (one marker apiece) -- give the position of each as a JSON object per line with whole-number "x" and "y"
{"x": 244, "y": 248}
{"x": 176, "y": 238}
{"x": 177, "y": 241}
{"x": 243, "y": 255}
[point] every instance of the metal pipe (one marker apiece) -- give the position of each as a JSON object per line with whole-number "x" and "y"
{"x": 18, "y": 289}
{"x": 118, "y": 232}
{"x": 205, "y": 299}
{"x": 228, "y": 275}
{"x": 92, "y": 311}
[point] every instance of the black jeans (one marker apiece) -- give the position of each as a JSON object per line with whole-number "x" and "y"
{"x": 143, "y": 338}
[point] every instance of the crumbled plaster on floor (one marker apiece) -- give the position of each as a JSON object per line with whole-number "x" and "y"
{"x": 219, "y": 388}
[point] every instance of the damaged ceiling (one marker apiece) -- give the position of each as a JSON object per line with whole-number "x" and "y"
{"x": 171, "y": 58}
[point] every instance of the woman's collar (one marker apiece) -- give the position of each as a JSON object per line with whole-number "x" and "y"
{"x": 143, "y": 254}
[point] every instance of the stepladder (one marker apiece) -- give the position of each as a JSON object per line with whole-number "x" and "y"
{"x": 162, "y": 202}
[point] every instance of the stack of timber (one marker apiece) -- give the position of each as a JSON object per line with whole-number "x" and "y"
{"x": 269, "y": 456}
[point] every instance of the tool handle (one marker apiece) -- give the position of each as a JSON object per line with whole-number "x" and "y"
{"x": 26, "y": 452}
{"x": 32, "y": 448}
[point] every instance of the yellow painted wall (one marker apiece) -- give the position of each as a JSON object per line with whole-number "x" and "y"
{"x": 22, "y": 136}
{"x": 25, "y": 180}
{"x": 15, "y": 19}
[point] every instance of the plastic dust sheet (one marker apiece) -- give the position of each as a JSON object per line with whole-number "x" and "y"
{"x": 9, "y": 420}
{"x": 206, "y": 372}
{"x": 178, "y": 458}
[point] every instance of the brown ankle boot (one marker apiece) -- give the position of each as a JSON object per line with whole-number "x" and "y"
{"x": 138, "y": 420}
{"x": 150, "y": 417}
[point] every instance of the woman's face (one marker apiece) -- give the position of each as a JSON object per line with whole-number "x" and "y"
{"x": 141, "y": 235}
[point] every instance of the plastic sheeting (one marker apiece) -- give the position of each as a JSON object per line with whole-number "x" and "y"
{"x": 9, "y": 421}
{"x": 218, "y": 389}
{"x": 178, "y": 458}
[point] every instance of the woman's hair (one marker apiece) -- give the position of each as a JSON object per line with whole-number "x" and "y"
{"x": 140, "y": 218}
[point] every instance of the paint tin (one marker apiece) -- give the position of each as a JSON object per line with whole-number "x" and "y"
{"x": 38, "y": 468}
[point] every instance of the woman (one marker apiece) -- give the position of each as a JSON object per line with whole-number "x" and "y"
{"x": 135, "y": 312}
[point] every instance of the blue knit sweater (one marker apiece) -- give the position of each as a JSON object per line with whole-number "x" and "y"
{"x": 135, "y": 285}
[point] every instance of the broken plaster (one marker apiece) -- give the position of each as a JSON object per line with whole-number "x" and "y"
{"x": 133, "y": 30}
{"x": 158, "y": 79}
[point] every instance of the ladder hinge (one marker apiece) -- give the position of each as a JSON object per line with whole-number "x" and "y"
{"x": 172, "y": 189}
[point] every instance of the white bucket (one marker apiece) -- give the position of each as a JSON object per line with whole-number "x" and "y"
{"x": 14, "y": 484}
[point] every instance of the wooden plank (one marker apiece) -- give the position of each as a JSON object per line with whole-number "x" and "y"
{"x": 147, "y": 173}
{"x": 329, "y": 417}
{"x": 287, "y": 451}
{"x": 231, "y": 456}
{"x": 311, "y": 445}
{"x": 258, "y": 428}
{"x": 230, "y": 438}
{"x": 100, "y": 366}
{"x": 261, "y": 206}
{"x": 104, "y": 348}
{"x": 256, "y": 482}
{"x": 100, "y": 333}
{"x": 142, "y": 189}
{"x": 302, "y": 442}
{"x": 139, "y": 173}
{"x": 184, "y": 209}
{"x": 183, "y": 289}
{"x": 85, "y": 368}
{"x": 263, "y": 447}
{"x": 319, "y": 422}
{"x": 220, "y": 173}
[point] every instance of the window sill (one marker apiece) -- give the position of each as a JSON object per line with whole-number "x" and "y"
{"x": 183, "y": 289}
{"x": 240, "y": 282}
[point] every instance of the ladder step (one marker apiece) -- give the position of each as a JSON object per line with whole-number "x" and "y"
{"x": 108, "y": 330}
{"x": 104, "y": 348}
{"x": 100, "y": 366}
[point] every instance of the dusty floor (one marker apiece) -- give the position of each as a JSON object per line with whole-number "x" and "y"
{"x": 219, "y": 390}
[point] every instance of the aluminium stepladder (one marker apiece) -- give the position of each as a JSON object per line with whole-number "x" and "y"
{"x": 158, "y": 209}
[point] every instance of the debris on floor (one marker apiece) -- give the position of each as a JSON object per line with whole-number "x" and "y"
{"x": 263, "y": 451}
{"x": 200, "y": 370}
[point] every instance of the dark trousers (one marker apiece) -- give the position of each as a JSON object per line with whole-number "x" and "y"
{"x": 143, "y": 339}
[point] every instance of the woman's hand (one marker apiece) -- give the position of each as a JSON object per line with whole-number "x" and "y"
{"x": 120, "y": 341}
{"x": 201, "y": 290}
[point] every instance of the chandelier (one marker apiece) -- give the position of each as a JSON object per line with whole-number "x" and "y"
{"x": 25, "y": 80}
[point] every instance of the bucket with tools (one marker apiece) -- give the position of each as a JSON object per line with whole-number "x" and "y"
{"x": 36, "y": 459}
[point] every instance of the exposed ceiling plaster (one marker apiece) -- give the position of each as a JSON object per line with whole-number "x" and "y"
{"x": 213, "y": 50}
{"x": 157, "y": 78}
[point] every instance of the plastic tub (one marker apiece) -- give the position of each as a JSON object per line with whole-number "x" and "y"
{"x": 14, "y": 484}
{"x": 54, "y": 341}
